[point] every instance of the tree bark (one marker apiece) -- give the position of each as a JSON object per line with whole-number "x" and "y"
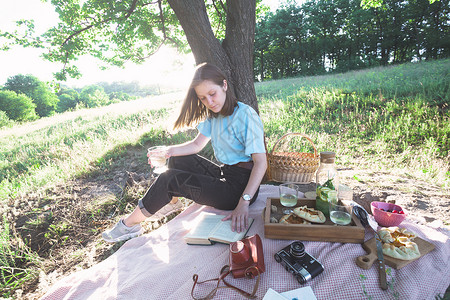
{"x": 235, "y": 54}
{"x": 239, "y": 45}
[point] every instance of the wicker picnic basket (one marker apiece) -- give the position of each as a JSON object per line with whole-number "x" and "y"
{"x": 292, "y": 166}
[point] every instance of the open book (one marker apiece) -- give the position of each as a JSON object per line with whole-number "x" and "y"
{"x": 210, "y": 229}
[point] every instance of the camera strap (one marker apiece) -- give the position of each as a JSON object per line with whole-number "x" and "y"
{"x": 223, "y": 273}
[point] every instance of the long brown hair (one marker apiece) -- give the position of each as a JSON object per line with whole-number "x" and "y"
{"x": 192, "y": 110}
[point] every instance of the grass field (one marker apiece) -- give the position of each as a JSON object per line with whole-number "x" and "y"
{"x": 395, "y": 118}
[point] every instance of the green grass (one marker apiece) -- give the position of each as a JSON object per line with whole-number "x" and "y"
{"x": 17, "y": 262}
{"x": 58, "y": 152}
{"x": 398, "y": 113}
{"x": 429, "y": 79}
{"x": 395, "y": 118}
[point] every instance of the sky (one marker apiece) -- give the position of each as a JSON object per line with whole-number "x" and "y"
{"x": 162, "y": 68}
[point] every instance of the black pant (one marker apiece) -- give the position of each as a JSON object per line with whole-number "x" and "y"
{"x": 200, "y": 180}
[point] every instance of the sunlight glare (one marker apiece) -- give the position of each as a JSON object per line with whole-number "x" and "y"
{"x": 161, "y": 249}
{"x": 190, "y": 224}
{"x": 166, "y": 67}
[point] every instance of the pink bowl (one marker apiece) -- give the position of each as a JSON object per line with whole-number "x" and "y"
{"x": 384, "y": 218}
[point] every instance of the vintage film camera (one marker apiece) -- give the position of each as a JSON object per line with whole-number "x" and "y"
{"x": 295, "y": 260}
{"x": 247, "y": 257}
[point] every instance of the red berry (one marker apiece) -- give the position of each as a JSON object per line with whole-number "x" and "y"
{"x": 382, "y": 209}
{"x": 401, "y": 212}
{"x": 395, "y": 211}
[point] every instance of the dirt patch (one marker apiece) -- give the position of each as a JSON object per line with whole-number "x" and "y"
{"x": 63, "y": 225}
{"x": 424, "y": 202}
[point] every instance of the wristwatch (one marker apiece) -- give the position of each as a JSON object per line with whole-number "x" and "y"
{"x": 246, "y": 197}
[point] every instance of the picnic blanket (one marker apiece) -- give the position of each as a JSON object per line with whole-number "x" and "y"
{"x": 160, "y": 265}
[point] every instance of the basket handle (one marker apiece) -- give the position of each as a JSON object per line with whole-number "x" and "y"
{"x": 294, "y": 133}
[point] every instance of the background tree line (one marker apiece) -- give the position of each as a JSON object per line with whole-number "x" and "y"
{"x": 336, "y": 36}
{"x": 26, "y": 98}
{"x": 319, "y": 36}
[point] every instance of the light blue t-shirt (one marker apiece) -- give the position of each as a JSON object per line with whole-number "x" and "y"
{"x": 236, "y": 137}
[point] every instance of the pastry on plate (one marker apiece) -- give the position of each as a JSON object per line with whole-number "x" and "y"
{"x": 293, "y": 219}
{"x": 401, "y": 249}
{"x": 310, "y": 214}
{"x": 390, "y": 234}
{"x": 398, "y": 243}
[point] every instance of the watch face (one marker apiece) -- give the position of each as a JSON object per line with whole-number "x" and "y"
{"x": 246, "y": 197}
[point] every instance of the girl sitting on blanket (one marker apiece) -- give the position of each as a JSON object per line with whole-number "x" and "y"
{"x": 237, "y": 137}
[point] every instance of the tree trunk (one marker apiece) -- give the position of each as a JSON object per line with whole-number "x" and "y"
{"x": 262, "y": 65}
{"x": 235, "y": 54}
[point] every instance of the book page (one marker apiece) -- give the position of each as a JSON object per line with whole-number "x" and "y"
{"x": 223, "y": 232}
{"x": 205, "y": 226}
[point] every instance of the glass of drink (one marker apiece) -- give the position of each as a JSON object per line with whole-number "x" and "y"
{"x": 288, "y": 196}
{"x": 340, "y": 214}
{"x": 157, "y": 158}
{"x": 325, "y": 195}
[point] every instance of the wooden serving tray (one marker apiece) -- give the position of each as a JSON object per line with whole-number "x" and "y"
{"x": 366, "y": 261}
{"x": 326, "y": 232}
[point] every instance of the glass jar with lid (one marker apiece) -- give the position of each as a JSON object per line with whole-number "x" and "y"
{"x": 327, "y": 182}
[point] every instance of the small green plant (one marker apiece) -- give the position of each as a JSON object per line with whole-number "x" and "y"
{"x": 57, "y": 233}
{"x": 365, "y": 293}
{"x": 390, "y": 282}
{"x": 357, "y": 178}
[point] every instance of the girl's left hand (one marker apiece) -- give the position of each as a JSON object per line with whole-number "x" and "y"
{"x": 239, "y": 217}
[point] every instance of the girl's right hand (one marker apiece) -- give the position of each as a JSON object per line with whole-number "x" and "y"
{"x": 158, "y": 152}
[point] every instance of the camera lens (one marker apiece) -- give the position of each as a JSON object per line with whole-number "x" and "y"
{"x": 297, "y": 249}
{"x": 239, "y": 252}
{"x": 301, "y": 279}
